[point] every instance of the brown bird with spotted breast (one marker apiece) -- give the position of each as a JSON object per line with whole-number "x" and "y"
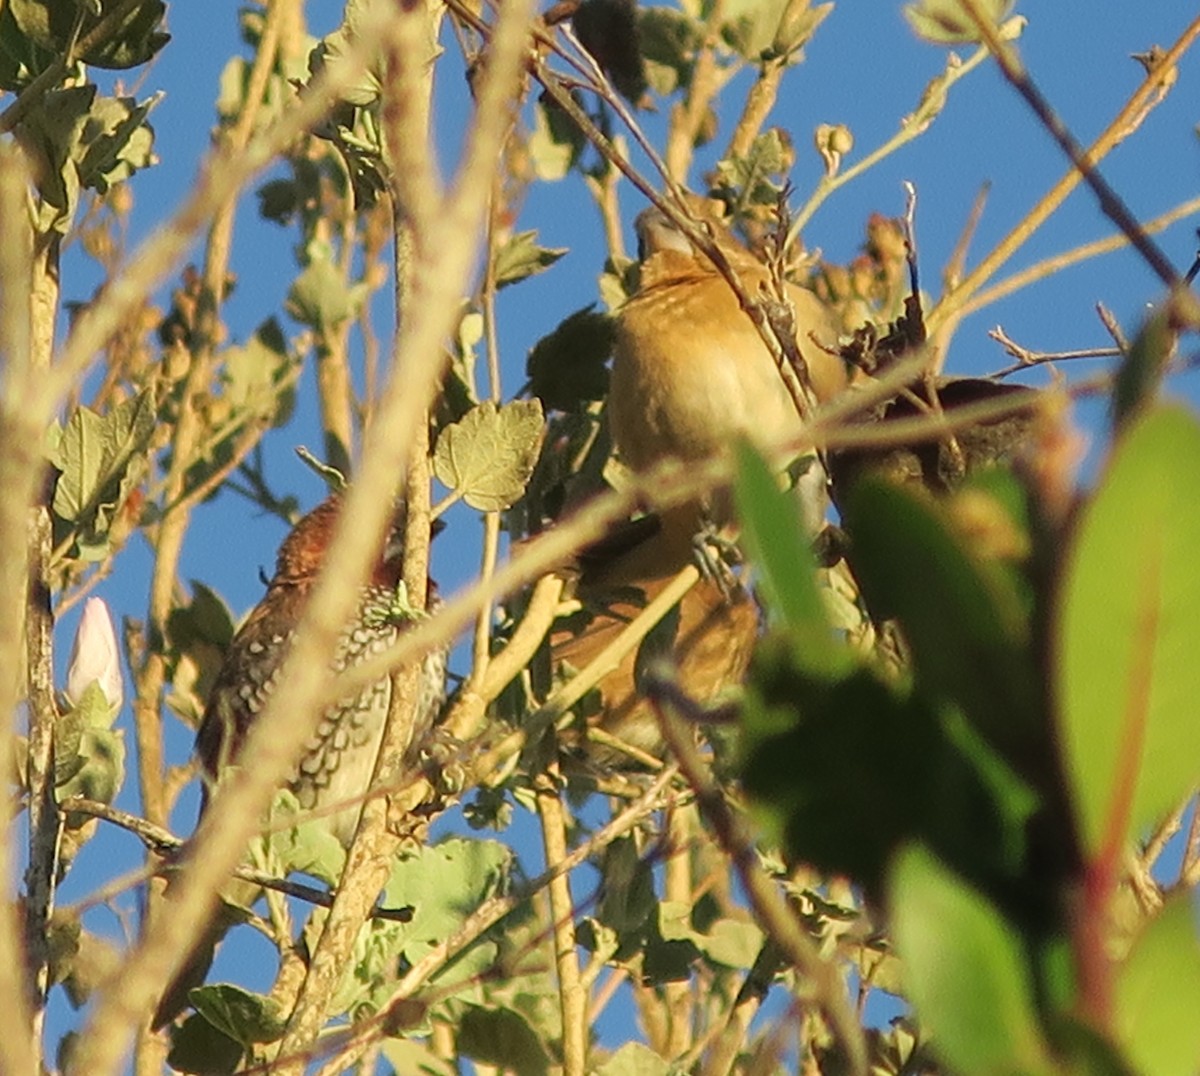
{"x": 340, "y": 757}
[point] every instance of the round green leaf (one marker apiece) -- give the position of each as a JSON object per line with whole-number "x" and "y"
{"x": 1158, "y": 995}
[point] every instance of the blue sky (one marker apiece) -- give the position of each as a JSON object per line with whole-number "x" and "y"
{"x": 864, "y": 69}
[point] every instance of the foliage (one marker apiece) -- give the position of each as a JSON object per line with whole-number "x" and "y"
{"x": 966, "y": 730}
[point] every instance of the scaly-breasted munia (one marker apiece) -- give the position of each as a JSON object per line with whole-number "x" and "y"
{"x": 339, "y": 759}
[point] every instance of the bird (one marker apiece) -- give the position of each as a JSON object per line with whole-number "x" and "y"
{"x": 690, "y": 375}
{"x": 339, "y": 758}
{"x": 709, "y": 650}
{"x": 690, "y": 371}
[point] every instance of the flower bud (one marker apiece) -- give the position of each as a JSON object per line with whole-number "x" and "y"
{"x": 95, "y": 658}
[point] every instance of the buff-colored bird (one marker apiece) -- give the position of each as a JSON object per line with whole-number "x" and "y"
{"x": 714, "y": 633}
{"x": 690, "y": 371}
{"x": 690, "y": 375}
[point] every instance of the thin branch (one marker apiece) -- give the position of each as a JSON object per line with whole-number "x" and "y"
{"x": 911, "y": 127}
{"x": 1111, "y": 203}
{"x": 572, "y": 996}
{"x": 950, "y": 308}
{"x": 22, "y": 428}
{"x": 162, "y": 842}
{"x": 770, "y": 908}
{"x": 1027, "y": 359}
{"x": 958, "y": 257}
{"x": 1048, "y": 267}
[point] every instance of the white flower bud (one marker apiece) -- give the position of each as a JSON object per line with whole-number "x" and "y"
{"x": 95, "y": 658}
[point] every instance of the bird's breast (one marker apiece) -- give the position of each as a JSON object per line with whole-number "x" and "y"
{"x": 690, "y": 373}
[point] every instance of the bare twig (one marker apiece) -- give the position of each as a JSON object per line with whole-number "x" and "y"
{"x": 572, "y": 996}
{"x": 951, "y": 306}
{"x": 162, "y": 842}
{"x": 1113, "y": 327}
{"x": 958, "y": 257}
{"x": 1047, "y": 267}
{"x": 1027, "y": 359}
{"x": 770, "y": 907}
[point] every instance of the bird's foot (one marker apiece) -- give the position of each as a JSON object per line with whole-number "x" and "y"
{"x": 716, "y": 556}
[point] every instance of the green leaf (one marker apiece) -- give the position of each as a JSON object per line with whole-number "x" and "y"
{"x": 1141, "y": 371}
{"x": 965, "y": 970}
{"x": 628, "y": 899}
{"x": 501, "y": 1037}
{"x": 797, "y": 24}
{"x": 635, "y": 1059}
{"x": 247, "y": 1018}
{"x": 1158, "y": 994}
{"x": 945, "y": 22}
{"x": 555, "y": 142}
{"x": 307, "y": 847}
{"x": 84, "y": 141}
{"x": 669, "y": 42}
{"x": 198, "y": 1047}
{"x": 566, "y": 369}
{"x": 750, "y": 26}
{"x": 321, "y": 298}
{"x": 757, "y": 178}
{"x": 964, "y": 616}
{"x": 21, "y": 58}
{"x": 521, "y": 257}
{"x": 444, "y": 884}
{"x": 333, "y": 48}
{"x": 205, "y": 619}
{"x": 117, "y": 141}
{"x": 257, "y": 374}
{"x": 840, "y": 772}
{"x": 52, "y": 131}
{"x": 733, "y": 943}
{"x": 101, "y": 768}
{"x": 1127, "y": 675}
{"x": 133, "y": 41}
{"x": 778, "y": 545}
{"x": 487, "y": 458}
{"x": 94, "y": 452}
{"x": 608, "y": 29}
